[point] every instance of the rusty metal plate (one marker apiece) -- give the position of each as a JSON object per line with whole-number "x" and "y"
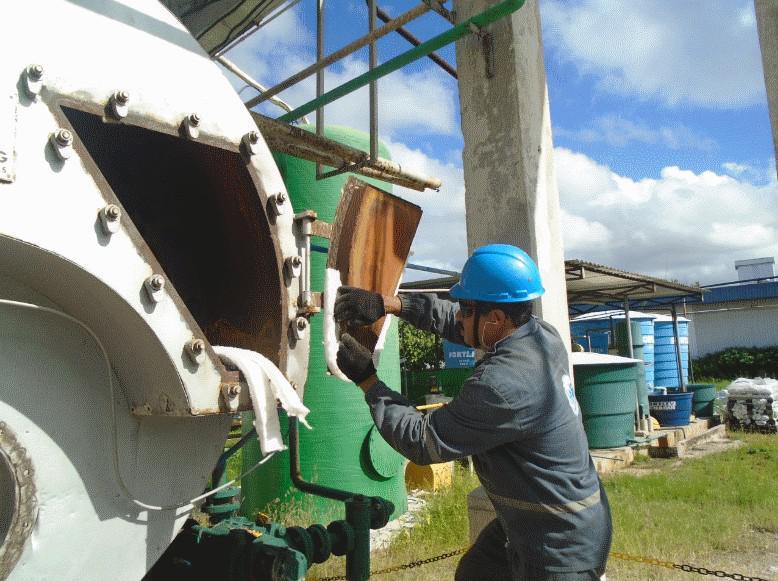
{"x": 371, "y": 240}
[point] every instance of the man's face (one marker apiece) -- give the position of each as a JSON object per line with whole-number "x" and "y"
{"x": 466, "y": 321}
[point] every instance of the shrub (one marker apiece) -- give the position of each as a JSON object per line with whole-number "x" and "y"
{"x": 739, "y": 362}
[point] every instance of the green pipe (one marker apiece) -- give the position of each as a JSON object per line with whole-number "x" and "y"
{"x": 485, "y": 18}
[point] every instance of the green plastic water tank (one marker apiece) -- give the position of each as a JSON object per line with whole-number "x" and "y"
{"x": 606, "y": 394}
{"x": 702, "y": 402}
{"x": 344, "y": 450}
{"x": 622, "y": 345}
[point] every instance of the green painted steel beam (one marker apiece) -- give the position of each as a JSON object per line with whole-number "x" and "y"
{"x": 496, "y": 12}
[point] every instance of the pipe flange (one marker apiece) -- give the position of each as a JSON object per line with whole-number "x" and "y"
{"x": 321, "y": 542}
{"x": 299, "y": 539}
{"x": 19, "y": 510}
{"x": 343, "y": 537}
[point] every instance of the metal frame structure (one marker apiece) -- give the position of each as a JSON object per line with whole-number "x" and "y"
{"x": 369, "y": 164}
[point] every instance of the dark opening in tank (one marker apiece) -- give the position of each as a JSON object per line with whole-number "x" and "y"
{"x": 197, "y": 208}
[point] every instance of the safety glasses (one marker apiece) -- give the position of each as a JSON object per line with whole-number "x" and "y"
{"x": 467, "y": 309}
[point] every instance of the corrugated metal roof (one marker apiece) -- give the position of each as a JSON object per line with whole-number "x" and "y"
{"x": 590, "y": 283}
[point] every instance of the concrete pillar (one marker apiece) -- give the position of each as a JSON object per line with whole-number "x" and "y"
{"x": 511, "y": 190}
{"x": 767, "y": 23}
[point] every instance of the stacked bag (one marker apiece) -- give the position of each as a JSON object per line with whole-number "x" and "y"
{"x": 752, "y": 404}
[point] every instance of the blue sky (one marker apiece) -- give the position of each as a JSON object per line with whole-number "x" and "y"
{"x": 663, "y": 149}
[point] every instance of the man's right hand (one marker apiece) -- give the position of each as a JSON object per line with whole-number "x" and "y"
{"x": 358, "y": 307}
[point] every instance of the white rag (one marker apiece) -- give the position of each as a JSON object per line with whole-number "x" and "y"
{"x": 266, "y": 384}
{"x": 332, "y": 283}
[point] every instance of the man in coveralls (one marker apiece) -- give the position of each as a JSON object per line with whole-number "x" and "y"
{"x": 517, "y": 416}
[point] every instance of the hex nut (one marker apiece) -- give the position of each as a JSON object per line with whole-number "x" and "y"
{"x": 33, "y": 80}
{"x": 299, "y": 328}
{"x": 155, "y": 285}
{"x": 64, "y": 137}
{"x": 35, "y": 72}
{"x": 195, "y": 349}
{"x": 62, "y": 143}
{"x": 293, "y": 266}
{"x": 110, "y": 217}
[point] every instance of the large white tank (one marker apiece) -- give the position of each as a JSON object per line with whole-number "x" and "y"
{"x": 133, "y": 236}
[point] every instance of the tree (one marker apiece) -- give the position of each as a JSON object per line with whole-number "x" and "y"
{"x": 419, "y": 350}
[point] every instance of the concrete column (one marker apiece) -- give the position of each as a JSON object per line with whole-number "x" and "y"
{"x": 511, "y": 190}
{"x": 767, "y": 23}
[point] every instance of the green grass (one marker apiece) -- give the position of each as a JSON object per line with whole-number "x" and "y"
{"x": 686, "y": 511}
{"x": 689, "y": 511}
{"x": 719, "y": 383}
{"x": 694, "y": 510}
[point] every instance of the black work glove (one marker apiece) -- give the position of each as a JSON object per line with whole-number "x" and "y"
{"x": 354, "y": 360}
{"x": 358, "y": 307}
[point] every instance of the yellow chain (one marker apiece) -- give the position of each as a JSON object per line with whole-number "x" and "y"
{"x": 639, "y": 559}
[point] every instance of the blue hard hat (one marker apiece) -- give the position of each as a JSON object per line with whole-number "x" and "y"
{"x": 498, "y": 273}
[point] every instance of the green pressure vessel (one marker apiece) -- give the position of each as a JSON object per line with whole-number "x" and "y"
{"x": 343, "y": 450}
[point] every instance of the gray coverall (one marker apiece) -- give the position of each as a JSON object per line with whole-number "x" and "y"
{"x": 518, "y": 418}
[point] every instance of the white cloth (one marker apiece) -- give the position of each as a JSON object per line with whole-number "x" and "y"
{"x": 266, "y": 384}
{"x": 331, "y": 336}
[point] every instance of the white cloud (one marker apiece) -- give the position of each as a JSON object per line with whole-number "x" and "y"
{"x": 418, "y": 101}
{"x": 698, "y": 52}
{"x": 619, "y": 132}
{"x": 685, "y": 225}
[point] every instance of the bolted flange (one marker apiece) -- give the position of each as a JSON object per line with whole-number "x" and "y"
{"x": 110, "y": 218}
{"x": 191, "y": 125}
{"x": 119, "y": 104}
{"x": 62, "y": 143}
{"x": 155, "y": 287}
{"x": 33, "y": 81}
{"x": 195, "y": 350}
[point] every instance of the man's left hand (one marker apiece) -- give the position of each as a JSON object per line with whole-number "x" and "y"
{"x": 354, "y": 360}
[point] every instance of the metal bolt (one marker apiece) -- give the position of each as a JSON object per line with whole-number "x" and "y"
{"x": 112, "y": 212}
{"x": 63, "y": 137}
{"x": 122, "y": 97}
{"x": 280, "y": 198}
{"x": 196, "y": 350}
{"x": 297, "y": 261}
{"x": 234, "y": 390}
{"x": 157, "y": 282}
{"x": 194, "y": 119}
{"x": 253, "y": 137}
{"x": 35, "y": 72}
{"x": 301, "y": 324}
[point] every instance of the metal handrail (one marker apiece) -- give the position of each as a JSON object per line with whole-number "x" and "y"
{"x": 469, "y": 26}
